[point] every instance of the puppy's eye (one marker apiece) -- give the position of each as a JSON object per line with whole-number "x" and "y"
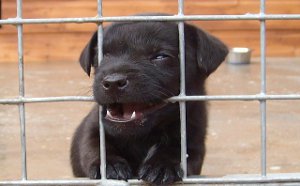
{"x": 160, "y": 57}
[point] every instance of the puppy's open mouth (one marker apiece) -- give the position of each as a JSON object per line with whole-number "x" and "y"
{"x": 127, "y": 112}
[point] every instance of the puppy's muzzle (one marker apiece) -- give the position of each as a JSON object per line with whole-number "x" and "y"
{"x": 115, "y": 82}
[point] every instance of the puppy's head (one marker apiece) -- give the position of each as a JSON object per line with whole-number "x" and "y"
{"x": 141, "y": 69}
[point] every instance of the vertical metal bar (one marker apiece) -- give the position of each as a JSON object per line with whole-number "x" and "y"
{"x": 101, "y": 128}
{"x": 180, "y": 7}
{"x": 182, "y": 104}
{"x": 263, "y": 91}
{"x": 21, "y": 91}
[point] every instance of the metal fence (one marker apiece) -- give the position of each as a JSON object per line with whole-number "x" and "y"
{"x": 262, "y": 96}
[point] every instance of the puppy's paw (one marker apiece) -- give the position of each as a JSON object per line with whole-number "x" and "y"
{"x": 119, "y": 170}
{"x": 94, "y": 172}
{"x": 161, "y": 173}
{"x": 116, "y": 169}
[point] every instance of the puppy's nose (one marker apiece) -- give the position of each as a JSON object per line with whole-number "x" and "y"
{"x": 115, "y": 82}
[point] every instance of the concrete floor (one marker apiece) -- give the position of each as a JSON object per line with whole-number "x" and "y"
{"x": 233, "y": 143}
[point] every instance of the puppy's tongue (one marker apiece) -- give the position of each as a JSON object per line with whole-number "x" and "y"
{"x": 125, "y": 112}
{"x": 132, "y": 111}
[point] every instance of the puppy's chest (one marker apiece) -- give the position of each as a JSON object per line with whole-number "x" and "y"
{"x": 133, "y": 148}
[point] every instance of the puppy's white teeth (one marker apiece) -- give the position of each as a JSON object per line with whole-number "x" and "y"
{"x": 109, "y": 114}
{"x": 133, "y": 115}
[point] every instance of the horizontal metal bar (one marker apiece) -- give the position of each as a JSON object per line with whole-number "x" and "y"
{"x": 245, "y": 179}
{"x": 231, "y": 179}
{"x": 85, "y": 182}
{"x": 258, "y": 16}
{"x": 172, "y": 99}
{"x": 235, "y": 97}
{"x": 46, "y": 99}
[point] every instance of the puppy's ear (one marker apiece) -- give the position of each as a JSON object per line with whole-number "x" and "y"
{"x": 211, "y": 52}
{"x": 89, "y": 55}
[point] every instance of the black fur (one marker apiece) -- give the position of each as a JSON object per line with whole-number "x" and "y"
{"x": 141, "y": 66}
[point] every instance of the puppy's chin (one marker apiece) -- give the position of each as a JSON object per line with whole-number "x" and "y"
{"x": 135, "y": 119}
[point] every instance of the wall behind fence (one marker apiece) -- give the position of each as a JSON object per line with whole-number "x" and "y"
{"x": 64, "y": 42}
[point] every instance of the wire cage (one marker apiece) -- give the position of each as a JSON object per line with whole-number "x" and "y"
{"x": 262, "y": 97}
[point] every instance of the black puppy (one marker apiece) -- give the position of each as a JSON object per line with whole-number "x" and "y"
{"x": 140, "y": 70}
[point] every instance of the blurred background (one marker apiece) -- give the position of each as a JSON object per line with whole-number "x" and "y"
{"x": 51, "y": 53}
{"x": 59, "y": 42}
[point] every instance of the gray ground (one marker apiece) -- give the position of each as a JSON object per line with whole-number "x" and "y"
{"x": 233, "y": 142}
